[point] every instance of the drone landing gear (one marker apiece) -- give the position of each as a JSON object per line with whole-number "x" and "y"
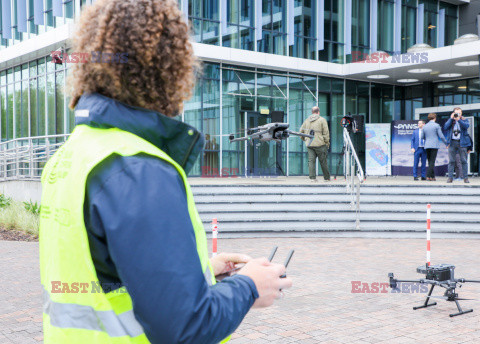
{"x": 426, "y": 304}
{"x": 460, "y": 311}
{"x": 450, "y": 295}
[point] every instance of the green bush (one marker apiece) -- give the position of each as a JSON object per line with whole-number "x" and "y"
{"x": 34, "y": 208}
{"x": 15, "y": 216}
{"x": 5, "y": 201}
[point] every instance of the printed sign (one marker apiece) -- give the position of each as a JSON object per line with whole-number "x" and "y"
{"x": 377, "y": 149}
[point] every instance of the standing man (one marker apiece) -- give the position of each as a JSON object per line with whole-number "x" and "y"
{"x": 320, "y": 144}
{"x": 458, "y": 142}
{"x": 418, "y": 149}
{"x": 432, "y": 134}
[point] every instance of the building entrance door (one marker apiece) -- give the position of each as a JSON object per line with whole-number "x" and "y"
{"x": 263, "y": 158}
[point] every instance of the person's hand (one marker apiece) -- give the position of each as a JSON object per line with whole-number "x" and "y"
{"x": 452, "y": 115}
{"x": 447, "y": 146}
{"x": 225, "y": 262}
{"x": 413, "y": 150}
{"x": 266, "y": 277}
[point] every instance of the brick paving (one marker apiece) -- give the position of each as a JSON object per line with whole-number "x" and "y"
{"x": 320, "y": 308}
{"x": 20, "y": 293}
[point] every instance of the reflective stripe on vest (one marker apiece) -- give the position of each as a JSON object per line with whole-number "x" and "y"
{"x": 70, "y": 315}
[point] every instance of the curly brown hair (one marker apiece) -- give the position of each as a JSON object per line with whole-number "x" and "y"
{"x": 159, "y": 71}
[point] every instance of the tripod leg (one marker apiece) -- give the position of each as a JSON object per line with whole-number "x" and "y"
{"x": 339, "y": 161}
{"x": 425, "y": 305}
{"x": 460, "y": 310}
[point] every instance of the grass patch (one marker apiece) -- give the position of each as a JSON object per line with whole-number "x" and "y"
{"x": 15, "y": 216}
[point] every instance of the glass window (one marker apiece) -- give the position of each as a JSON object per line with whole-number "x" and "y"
{"x": 360, "y": 27}
{"x": 41, "y": 96}
{"x": 409, "y": 24}
{"x": 59, "y": 99}
{"x": 34, "y": 130}
{"x": 240, "y": 26}
{"x": 274, "y": 34}
{"x": 333, "y": 32}
{"x": 33, "y": 68}
{"x": 304, "y": 29}
{"x": 430, "y": 28}
{"x": 451, "y": 22}
{"x": 205, "y": 19}
{"x": 302, "y": 97}
{"x": 203, "y": 112}
{"x": 32, "y": 28}
{"x": 51, "y": 104}
{"x": 385, "y": 25}
{"x": 41, "y": 66}
{"x": 381, "y": 103}
{"x": 4, "y": 112}
{"x": 9, "y": 124}
{"x": 238, "y": 97}
{"x": 50, "y": 20}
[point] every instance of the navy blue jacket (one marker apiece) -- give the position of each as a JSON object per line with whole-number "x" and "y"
{"x": 464, "y": 124}
{"x": 415, "y": 139}
{"x": 141, "y": 236}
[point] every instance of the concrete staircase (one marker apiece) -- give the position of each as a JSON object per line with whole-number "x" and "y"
{"x": 325, "y": 208}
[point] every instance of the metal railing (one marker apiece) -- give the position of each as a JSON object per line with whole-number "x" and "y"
{"x": 24, "y": 158}
{"x": 353, "y": 174}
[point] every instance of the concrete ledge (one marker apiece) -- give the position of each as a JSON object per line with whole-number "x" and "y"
{"x": 22, "y": 190}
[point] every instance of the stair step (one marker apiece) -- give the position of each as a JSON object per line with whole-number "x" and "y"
{"x": 329, "y": 206}
{"x": 302, "y": 226}
{"x": 339, "y": 216}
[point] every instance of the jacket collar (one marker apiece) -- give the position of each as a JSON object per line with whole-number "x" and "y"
{"x": 182, "y": 142}
{"x": 314, "y": 117}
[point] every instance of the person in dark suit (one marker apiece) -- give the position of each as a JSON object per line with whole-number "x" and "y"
{"x": 432, "y": 133}
{"x": 418, "y": 149}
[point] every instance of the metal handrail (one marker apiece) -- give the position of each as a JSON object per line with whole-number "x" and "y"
{"x": 352, "y": 168}
{"x": 24, "y": 158}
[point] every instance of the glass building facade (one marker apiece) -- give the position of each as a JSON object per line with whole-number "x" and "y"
{"x": 230, "y": 98}
{"x": 311, "y": 29}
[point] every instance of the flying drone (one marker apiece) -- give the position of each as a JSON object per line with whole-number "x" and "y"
{"x": 269, "y": 132}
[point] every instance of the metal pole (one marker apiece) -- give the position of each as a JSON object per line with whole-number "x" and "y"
{"x": 30, "y": 150}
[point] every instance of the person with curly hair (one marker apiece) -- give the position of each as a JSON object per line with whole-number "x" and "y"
{"x": 123, "y": 251}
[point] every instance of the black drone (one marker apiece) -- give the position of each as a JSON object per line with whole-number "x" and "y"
{"x": 269, "y": 132}
{"x": 441, "y": 275}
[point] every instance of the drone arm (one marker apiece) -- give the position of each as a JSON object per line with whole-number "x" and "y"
{"x": 463, "y": 280}
{"x": 298, "y": 134}
{"x": 239, "y": 139}
{"x": 394, "y": 281}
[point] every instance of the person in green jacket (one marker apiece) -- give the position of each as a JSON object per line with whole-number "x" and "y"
{"x": 320, "y": 144}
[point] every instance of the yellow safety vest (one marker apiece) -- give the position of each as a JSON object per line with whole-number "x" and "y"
{"x": 75, "y": 308}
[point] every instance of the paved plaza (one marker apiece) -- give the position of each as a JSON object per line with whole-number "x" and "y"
{"x": 320, "y": 308}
